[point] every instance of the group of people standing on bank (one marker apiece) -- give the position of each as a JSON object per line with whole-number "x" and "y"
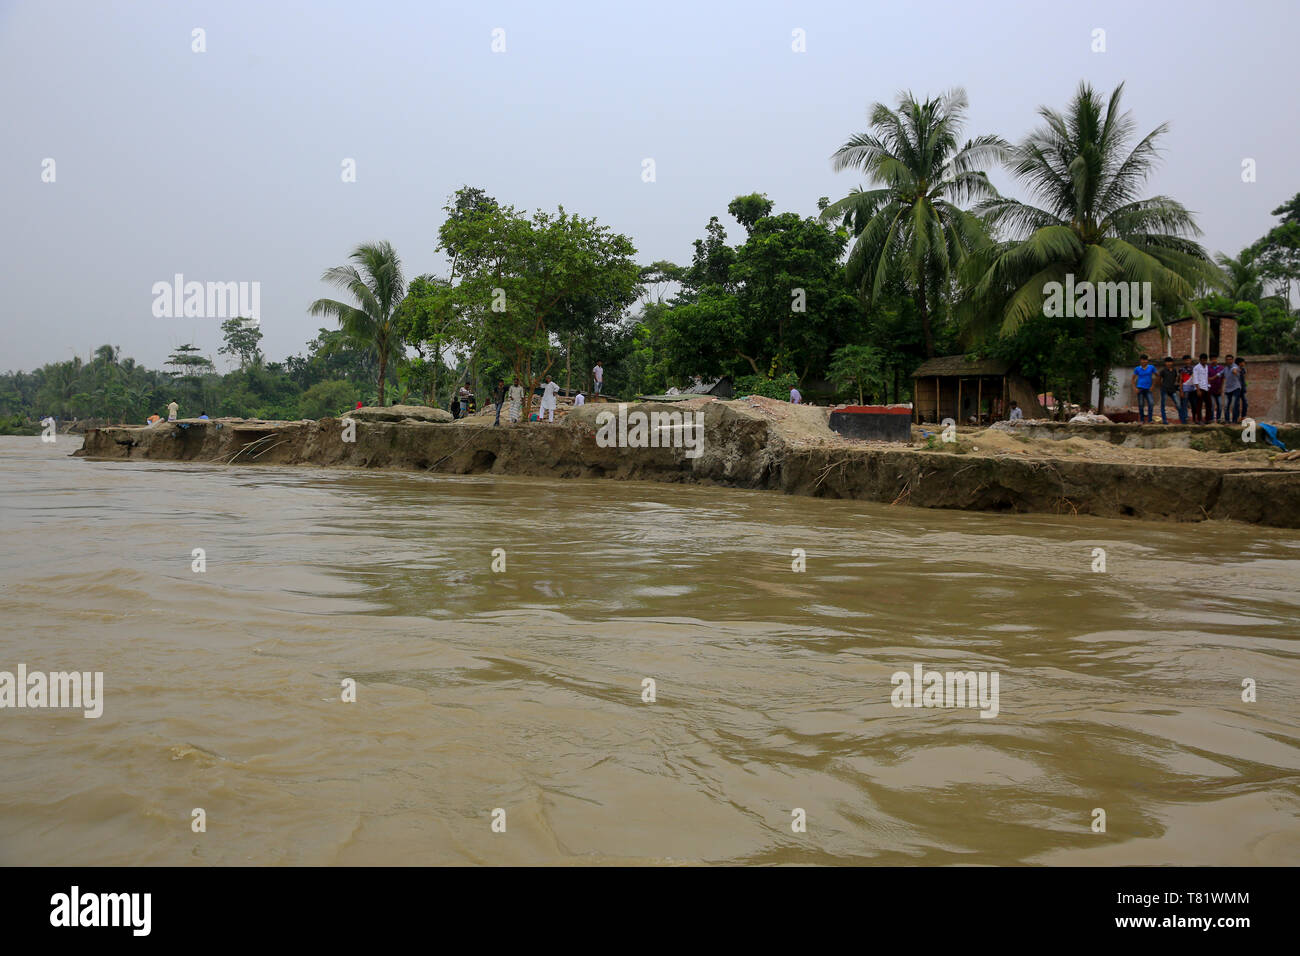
{"x": 512, "y": 396}
{"x": 1203, "y": 392}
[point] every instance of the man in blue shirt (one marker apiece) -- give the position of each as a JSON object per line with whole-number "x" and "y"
{"x": 1142, "y": 376}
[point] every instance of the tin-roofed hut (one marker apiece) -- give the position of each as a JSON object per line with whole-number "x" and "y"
{"x": 961, "y": 388}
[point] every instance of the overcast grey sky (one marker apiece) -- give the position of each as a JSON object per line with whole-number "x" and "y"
{"x": 226, "y": 165}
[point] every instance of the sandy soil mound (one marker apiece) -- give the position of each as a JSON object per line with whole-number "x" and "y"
{"x": 400, "y": 413}
{"x": 996, "y": 441}
{"x": 796, "y": 424}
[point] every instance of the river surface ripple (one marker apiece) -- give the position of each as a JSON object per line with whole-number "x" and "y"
{"x": 523, "y": 690}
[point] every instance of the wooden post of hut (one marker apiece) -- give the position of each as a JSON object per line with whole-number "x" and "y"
{"x": 979, "y": 400}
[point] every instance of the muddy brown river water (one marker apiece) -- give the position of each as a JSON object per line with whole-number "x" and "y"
{"x": 523, "y": 691}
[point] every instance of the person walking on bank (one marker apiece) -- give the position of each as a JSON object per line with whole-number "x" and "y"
{"x": 1143, "y": 375}
{"x": 515, "y": 396}
{"x": 598, "y": 376}
{"x": 499, "y": 398}
{"x": 548, "y": 400}
{"x": 1168, "y": 388}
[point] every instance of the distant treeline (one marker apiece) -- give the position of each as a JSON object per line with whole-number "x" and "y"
{"x": 329, "y": 379}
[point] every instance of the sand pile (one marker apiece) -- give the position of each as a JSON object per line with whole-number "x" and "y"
{"x": 400, "y": 413}
{"x": 796, "y": 424}
{"x": 1000, "y": 441}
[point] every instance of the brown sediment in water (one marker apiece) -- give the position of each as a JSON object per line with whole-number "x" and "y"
{"x": 1183, "y": 473}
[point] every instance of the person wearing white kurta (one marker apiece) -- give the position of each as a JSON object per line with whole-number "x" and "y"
{"x": 548, "y": 399}
{"x": 515, "y": 397}
{"x": 579, "y": 400}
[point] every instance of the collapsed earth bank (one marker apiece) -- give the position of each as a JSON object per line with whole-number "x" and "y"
{"x": 749, "y": 443}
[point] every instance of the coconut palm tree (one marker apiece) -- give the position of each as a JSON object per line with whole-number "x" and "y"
{"x": 378, "y": 288}
{"x": 1244, "y": 279}
{"x": 1089, "y": 220}
{"x": 910, "y": 224}
{"x": 59, "y": 387}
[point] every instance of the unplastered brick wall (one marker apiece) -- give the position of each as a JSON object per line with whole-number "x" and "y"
{"x": 1271, "y": 388}
{"x": 1186, "y": 338}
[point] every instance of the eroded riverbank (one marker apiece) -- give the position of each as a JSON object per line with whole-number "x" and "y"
{"x": 1104, "y": 471}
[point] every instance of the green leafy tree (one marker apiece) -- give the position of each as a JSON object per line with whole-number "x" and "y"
{"x": 775, "y": 304}
{"x": 331, "y": 356}
{"x": 327, "y": 399}
{"x": 518, "y": 272}
{"x": 911, "y": 223}
{"x": 1289, "y": 211}
{"x": 748, "y": 210}
{"x": 430, "y": 320}
{"x": 59, "y": 386}
{"x": 859, "y": 368}
{"x": 242, "y": 339}
{"x": 656, "y": 277}
{"x": 711, "y": 263}
{"x": 377, "y": 288}
{"x": 1277, "y": 255}
{"x": 769, "y": 386}
{"x": 188, "y": 369}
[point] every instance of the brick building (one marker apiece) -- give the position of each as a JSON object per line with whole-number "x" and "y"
{"x": 1189, "y": 337}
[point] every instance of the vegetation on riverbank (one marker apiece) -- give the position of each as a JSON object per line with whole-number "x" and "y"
{"x": 926, "y": 258}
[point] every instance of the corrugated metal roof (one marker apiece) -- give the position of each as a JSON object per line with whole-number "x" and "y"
{"x": 703, "y": 388}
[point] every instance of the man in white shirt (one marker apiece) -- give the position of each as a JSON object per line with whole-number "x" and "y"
{"x": 579, "y": 400}
{"x": 548, "y": 399}
{"x": 795, "y": 397}
{"x": 1016, "y": 414}
{"x": 172, "y": 408}
{"x": 598, "y": 374}
{"x": 515, "y": 399}
{"x": 1201, "y": 390}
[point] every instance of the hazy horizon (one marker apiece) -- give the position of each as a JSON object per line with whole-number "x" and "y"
{"x": 225, "y": 165}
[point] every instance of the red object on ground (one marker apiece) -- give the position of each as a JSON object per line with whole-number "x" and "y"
{"x": 358, "y": 404}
